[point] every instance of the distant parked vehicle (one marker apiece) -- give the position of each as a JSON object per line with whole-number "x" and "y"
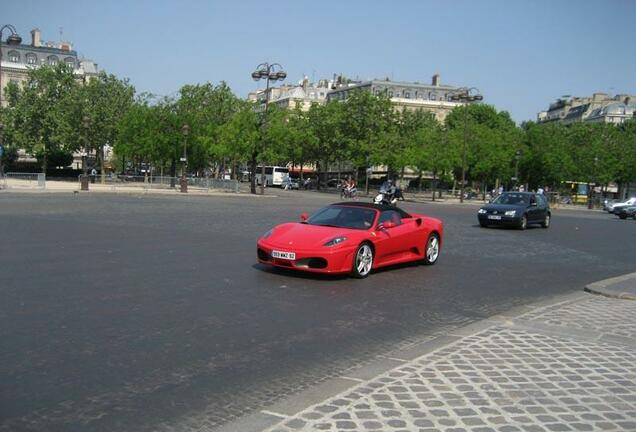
{"x": 335, "y": 183}
{"x": 290, "y": 184}
{"x": 626, "y": 212}
{"x": 274, "y": 175}
{"x": 608, "y": 204}
{"x": 618, "y": 206}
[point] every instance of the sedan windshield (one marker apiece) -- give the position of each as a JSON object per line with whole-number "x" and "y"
{"x": 512, "y": 199}
{"x": 343, "y": 217}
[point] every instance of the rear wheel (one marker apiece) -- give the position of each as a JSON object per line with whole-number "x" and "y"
{"x": 523, "y": 224}
{"x": 546, "y": 222}
{"x": 622, "y": 216}
{"x": 431, "y": 251}
{"x": 363, "y": 261}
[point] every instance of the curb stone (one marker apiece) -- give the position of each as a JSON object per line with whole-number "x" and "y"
{"x": 620, "y": 287}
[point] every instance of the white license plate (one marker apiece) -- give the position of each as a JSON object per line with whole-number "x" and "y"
{"x": 494, "y": 217}
{"x": 284, "y": 255}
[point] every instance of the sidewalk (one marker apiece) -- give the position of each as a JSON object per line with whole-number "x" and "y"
{"x": 53, "y": 186}
{"x": 565, "y": 366}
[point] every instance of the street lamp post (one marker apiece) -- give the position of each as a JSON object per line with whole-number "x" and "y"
{"x": 86, "y": 123}
{"x": 185, "y": 130}
{"x": 465, "y": 95}
{"x": 268, "y": 72}
{"x": 13, "y": 39}
{"x": 1, "y": 154}
{"x": 517, "y": 157}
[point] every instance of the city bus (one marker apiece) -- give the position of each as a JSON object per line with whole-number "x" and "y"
{"x": 578, "y": 191}
{"x": 274, "y": 175}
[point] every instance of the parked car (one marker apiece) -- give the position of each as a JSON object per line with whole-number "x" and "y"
{"x": 616, "y": 207}
{"x": 516, "y": 209}
{"x": 335, "y": 183}
{"x": 608, "y": 204}
{"x": 626, "y": 212}
{"x": 290, "y": 184}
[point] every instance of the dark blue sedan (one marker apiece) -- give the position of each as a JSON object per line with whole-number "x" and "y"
{"x": 516, "y": 209}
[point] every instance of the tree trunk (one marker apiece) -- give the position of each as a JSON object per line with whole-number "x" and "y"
{"x": 434, "y": 184}
{"x": 44, "y": 161}
{"x": 101, "y": 157}
{"x": 419, "y": 182}
{"x": 173, "y": 172}
{"x": 318, "y": 173}
{"x": 253, "y": 174}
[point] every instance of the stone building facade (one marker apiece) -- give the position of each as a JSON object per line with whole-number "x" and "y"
{"x": 433, "y": 97}
{"x": 17, "y": 60}
{"x": 599, "y": 108}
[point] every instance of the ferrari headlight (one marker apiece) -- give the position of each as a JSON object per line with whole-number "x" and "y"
{"x": 335, "y": 241}
{"x": 482, "y": 211}
{"x": 511, "y": 212}
{"x": 267, "y": 234}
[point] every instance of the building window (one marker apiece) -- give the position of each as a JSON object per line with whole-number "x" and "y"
{"x": 390, "y": 93}
{"x": 14, "y": 57}
{"x": 70, "y": 61}
{"x": 31, "y": 59}
{"x": 52, "y": 60}
{"x": 407, "y": 95}
{"x": 432, "y": 96}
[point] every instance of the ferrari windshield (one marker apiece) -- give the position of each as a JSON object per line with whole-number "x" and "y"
{"x": 343, "y": 217}
{"x": 512, "y": 199}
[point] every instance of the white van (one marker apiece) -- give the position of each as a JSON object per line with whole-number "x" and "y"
{"x": 274, "y": 175}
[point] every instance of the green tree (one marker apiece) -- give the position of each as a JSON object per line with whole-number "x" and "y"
{"x": 104, "y": 100}
{"x": 43, "y": 111}
{"x": 242, "y": 134}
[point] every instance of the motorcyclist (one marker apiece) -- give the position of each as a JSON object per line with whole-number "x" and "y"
{"x": 388, "y": 188}
{"x": 391, "y": 192}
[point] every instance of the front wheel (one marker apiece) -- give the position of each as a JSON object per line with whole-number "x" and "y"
{"x": 363, "y": 261}
{"x": 523, "y": 224}
{"x": 431, "y": 252}
{"x": 546, "y": 222}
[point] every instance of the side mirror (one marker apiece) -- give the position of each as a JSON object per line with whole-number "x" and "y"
{"x": 304, "y": 217}
{"x": 387, "y": 225}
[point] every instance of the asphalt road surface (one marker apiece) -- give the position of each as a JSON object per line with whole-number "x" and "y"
{"x": 143, "y": 313}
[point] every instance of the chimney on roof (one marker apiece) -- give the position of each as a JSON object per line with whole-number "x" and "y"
{"x": 36, "y": 38}
{"x": 435, "y": 81}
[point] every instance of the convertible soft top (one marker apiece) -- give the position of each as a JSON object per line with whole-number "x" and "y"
{"x": 371, "y": 206}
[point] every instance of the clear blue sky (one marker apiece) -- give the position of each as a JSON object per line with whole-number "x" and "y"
{"x": 520, "y": 54}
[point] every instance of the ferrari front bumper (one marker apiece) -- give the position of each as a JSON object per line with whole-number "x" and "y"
{"x": 338, "y": 259}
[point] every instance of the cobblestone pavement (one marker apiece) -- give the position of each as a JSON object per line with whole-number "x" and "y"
{"x": 538, "y": 372}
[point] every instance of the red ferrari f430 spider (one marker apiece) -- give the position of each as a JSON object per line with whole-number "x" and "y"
{"x": 352, "y": 238}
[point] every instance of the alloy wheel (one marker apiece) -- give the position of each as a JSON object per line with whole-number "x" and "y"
{"x": 363, "y": 261}
{"x": 432, "y": 249}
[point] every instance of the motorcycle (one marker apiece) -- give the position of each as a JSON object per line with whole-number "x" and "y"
{"x": 348, "y": 192}
{"x": 389, "y": 197}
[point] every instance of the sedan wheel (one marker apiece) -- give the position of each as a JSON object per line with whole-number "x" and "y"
{"x": 546, "y": 222}
{"x": 432, "y": 249}
{"x": 363, "y": 261}
{"x": 523, "y": 224}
